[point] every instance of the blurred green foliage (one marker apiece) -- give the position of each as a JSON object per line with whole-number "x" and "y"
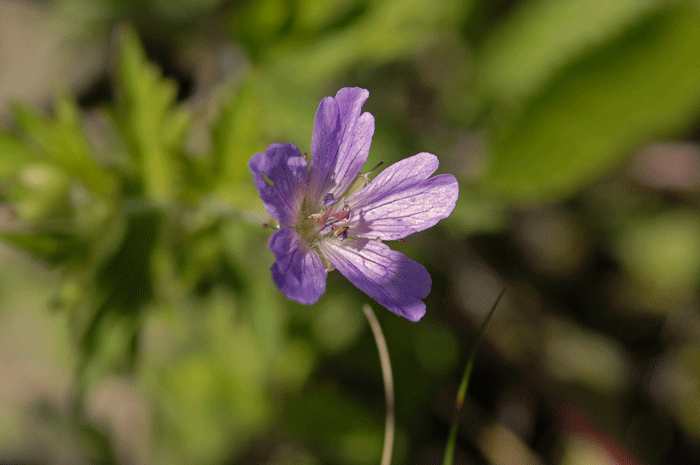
{"x": 143, "y": 215}
{"x": 578, "y": 122}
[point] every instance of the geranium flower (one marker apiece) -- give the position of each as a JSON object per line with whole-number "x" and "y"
{"x": 331, "y": 217}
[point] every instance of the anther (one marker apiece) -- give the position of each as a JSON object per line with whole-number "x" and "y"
{"x": 341, "y": 234}
{"x": 341, "y": 215}
{"x": 329, "y": 199}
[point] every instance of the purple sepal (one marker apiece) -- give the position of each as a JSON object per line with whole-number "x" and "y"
{"x": 298, "y": 271}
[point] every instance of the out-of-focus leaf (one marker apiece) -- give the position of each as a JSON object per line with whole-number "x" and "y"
{"x": 336, "y": 323}
{"x": 14, "y": 155}
{"x": 541, "y": 36}
{"x": 474, "y": 215}
{"x": 684, "y": 388}
{"x": 200, "y": 261}
{"x": 182, "y": 11}
{"x": 294, "y": 364}
{"x": 640, "y": 85}
{"x": 259, "y": 23}
{"x": 41, "y": 191}
{"x": 340, "y": 426}
{"x": 61, "y": 141}
{"x": 50, "y": 246}
{"x": 258, "y": 293}
{"x": 389, "y": 30}
{"x": 207, "y": 375}
{"x": 114, "y": 285}
{"x": 153, "y": 124}
{"x": 235, "y": 138}
{"x": 111, "y": 347}
{"x": 662, "y": 255}
{"x": 61, "y": 193}
{"x": 315, "y": 15}
{"x": 288, "y": 112}
{"x": 574, "y": 354}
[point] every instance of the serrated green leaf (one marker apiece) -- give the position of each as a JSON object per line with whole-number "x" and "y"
{"x": 62, "y": 142}
{"x": 235, "y": 138}
{"x": 236, "y": 133}
{"x": 153, "y": 123}
{"x": 643, "y": 84}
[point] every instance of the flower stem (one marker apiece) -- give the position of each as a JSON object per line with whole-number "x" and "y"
{"x": 388, "y": 383}
{"x": 452, "y": 439}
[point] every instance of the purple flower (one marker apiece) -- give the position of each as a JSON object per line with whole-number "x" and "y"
{"x": 331, "y": 217}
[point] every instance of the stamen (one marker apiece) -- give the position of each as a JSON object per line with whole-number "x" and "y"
{"x": 329, "y": 199}
{"x": 341, "y": 234}
{"x": 376, "y": 166}
{"x": 341, "y": 215}
{"x": 328, "y": 218}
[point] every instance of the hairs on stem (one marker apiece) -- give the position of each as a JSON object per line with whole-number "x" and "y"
{"x": 388, "y": 383}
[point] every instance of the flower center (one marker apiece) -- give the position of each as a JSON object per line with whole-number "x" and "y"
{"x": 329, "y": 220}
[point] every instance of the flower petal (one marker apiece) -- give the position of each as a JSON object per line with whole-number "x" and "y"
{"x": 401, "y": 201}
{"x": 389, "y": 277}
{"x": 286, "y": 169}
{"x": 340, "y": 143}
{"x": 298, "y": 272}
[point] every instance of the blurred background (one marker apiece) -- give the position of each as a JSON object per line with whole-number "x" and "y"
{"x": 138, "y": 320}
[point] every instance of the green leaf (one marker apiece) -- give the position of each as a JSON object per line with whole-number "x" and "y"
{"x": 476, "y": 214}
{"x": 543, "y": 36}
{"x": 61, "y": 141}
{"x": 54, "y": 247}
{"x": 387, "y": 31}
{"x": 14, "y": 154}
{"x": 258, "y": 294}
{"x": 641, "y": 85}
{"x": 235, "y": 138}
{"x": 41, "y": 191}
{"x": 661, "y": 254}
{"x": 116, "y": 286}
{"x": 340, "y": 425}
{"x": 154, "y": 125}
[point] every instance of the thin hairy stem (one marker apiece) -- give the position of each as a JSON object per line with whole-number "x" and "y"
{"x": 388, "y": 383}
